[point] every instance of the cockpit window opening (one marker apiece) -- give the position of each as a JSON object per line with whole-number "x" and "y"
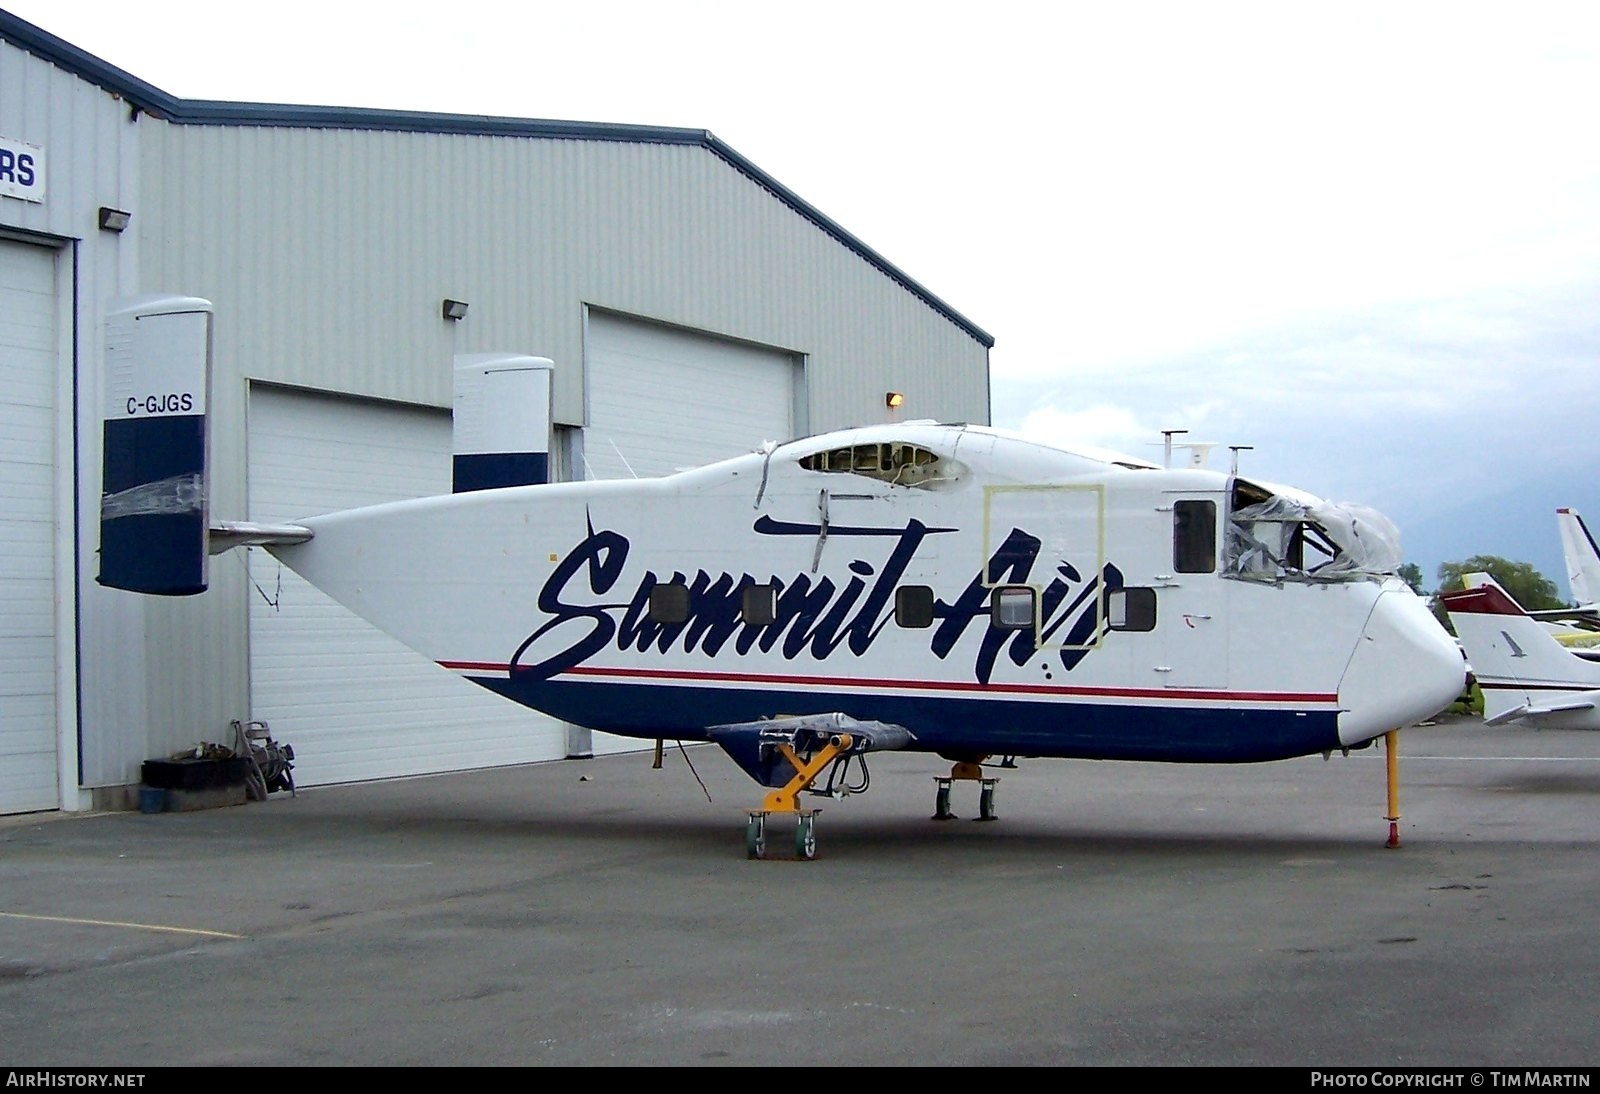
{"x": 891, "y": 462}
{"x": 1276, "y": 538}
{"x": 1194, "y": 537}
{"x": 1310, "y": 549}
{"x": 1246, "y": 494}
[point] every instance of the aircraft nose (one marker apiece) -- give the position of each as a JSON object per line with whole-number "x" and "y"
{"x": 1405, "y": 668}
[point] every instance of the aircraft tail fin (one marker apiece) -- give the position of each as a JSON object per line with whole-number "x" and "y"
{"x": 1518, "y": 664}
{"x": 1582, "y": 558}
{"x": 501, "y": 422}
{"x": 154, "y": 488}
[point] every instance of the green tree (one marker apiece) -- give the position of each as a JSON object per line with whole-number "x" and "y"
{"x": 1527, "y": 586}
{"x": 1411, "y": 574}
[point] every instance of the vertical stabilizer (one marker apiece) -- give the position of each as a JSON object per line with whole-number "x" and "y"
{"x": 1582, "y": 557}
{"x": 502, "y": 421}
{"x": 153, "y": 501}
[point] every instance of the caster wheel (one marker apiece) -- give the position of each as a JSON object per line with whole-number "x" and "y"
{"x": 805, "y": 838}
{"x": 986, "y": 804}
{"x": 755, "y": 837}
{"x": 941, "y": 805}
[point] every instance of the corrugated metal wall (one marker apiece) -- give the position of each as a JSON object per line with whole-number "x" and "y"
{"x": 91, "y": 154}
{"x": 327, "y": 253}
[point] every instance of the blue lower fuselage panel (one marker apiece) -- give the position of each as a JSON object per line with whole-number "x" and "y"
{"x": 1209, "y": 733}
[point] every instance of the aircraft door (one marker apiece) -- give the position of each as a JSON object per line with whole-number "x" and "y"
{"x": 1051, "y": 538}
{"x": 1192, "y": 621}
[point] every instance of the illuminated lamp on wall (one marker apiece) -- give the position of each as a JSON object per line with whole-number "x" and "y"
{"x": 893, "y": 399}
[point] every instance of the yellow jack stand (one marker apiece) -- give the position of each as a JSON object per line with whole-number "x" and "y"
{"x": 786, "y": 800}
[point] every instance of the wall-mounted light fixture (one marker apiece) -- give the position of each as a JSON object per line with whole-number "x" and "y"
{"x": 893, "y": 399}
{"x": 114, "y": 220}
{"x": 453, "y": 309}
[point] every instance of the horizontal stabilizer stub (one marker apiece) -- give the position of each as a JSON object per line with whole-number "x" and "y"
{"x": 1585, "y": 701}
{"x": 228, "y": 534}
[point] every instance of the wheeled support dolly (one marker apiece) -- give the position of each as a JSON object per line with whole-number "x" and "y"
{"x": 805, "y": 833}
{"x": 786, "y": 799}
{"x": 964, "y": 772}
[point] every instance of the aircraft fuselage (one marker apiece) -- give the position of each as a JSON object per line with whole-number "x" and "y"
{"x": 991, "y": 595}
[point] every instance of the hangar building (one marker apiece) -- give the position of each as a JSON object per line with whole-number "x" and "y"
{"x": 693, "y": 307}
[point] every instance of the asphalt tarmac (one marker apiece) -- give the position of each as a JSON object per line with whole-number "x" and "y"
{"x": 602, "y": 913}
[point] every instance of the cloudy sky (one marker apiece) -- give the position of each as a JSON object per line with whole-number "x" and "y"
{"x": 1363, "y": 239}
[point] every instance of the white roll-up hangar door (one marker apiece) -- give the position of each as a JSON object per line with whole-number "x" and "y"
{"x": 661, "y": 399}
{"x": 29, "y": 752}
{"x": 354, "y": 703}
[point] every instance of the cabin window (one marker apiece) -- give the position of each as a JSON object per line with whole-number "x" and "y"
{"x": 897, "y": 464}
{"x": 1194, "y": 537}
{"x": 913, "y": 606}
{"x": 1131, "y": 609}
{"x": 669, "y": 603}
{"x": 1011, "y": 607}
{"x": 760, "y": 605}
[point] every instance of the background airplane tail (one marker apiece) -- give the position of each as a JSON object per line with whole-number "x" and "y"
{"x": 1514, "y": 659}
{"x": 1582, "y": 557}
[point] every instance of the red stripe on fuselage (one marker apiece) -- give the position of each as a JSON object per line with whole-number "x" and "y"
{"x": 689, "y": 676}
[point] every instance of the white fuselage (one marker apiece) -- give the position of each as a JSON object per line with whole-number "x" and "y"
{"x": 793, "y": 571}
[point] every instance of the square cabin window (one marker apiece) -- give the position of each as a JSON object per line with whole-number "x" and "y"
{"x": 1131, "y": 609}
{"x": 760, "y": 604}
{"x": 669, "y": 604}
{"x": 913, "y": 606}
{"x": 1011, "y": 607}
{"x": 1194, "y": 537}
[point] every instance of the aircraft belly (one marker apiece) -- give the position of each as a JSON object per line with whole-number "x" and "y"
{"x": 1132, "y": 727}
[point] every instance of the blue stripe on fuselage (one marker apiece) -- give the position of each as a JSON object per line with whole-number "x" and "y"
{"x": 952, "y": 724}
